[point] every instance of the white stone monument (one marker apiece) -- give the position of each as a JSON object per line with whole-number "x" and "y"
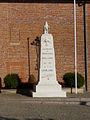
{"x": 48, "y": 85}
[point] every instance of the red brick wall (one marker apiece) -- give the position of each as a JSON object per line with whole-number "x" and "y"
{"x": 88, "y": 41}
{"x": 19, "y": 21}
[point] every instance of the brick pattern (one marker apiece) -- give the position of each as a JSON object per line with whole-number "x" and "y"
{"x": 19, "y": 21}
{"x": 88, "y": 42}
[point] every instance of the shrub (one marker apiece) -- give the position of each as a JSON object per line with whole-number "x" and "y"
{"x": 80, "y": 80}
{"x": 69, "y": 79}
{"x": 32, "y": 79}
{"x": 11, "y": 81}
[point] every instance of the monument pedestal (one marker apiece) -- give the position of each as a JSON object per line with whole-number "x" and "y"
{"x": 49, "y": 90}
{"x": 48, "y": 85}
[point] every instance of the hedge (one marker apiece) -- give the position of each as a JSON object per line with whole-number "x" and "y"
{"x": 11, "y": 81}
{"x": 69, "y": 79}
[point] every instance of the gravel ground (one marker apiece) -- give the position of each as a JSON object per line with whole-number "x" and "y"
{"x": 19, "y": 107}
{"x": 79, "y": 95}
{"x": 24, "y": 110}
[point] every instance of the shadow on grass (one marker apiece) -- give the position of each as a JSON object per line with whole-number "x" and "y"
{"x": 83, "y": 103}
{"x": 39, "y": 119}
{"x": 26, "y": 92}
{"x": 5, "y": 118}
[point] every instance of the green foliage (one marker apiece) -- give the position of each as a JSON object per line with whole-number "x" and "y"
{"x": 69, "y": 79}
{"x": 11, "y": 81}
{"x": 80, "y": 80}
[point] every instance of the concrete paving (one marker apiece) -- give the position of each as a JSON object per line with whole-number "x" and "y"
{"x": 20, "y": 107}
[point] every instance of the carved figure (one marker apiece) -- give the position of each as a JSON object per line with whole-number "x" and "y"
{"x": 46, "y": 28}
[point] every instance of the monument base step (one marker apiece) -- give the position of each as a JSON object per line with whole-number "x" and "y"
{"x": 50, "y": 94}
{"x": 49, "y": 91}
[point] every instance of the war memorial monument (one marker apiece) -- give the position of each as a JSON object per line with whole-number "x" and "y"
{"x": 48, "y": 85}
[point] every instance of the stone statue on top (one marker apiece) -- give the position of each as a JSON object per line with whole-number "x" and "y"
{"x": 46, "y": 27}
